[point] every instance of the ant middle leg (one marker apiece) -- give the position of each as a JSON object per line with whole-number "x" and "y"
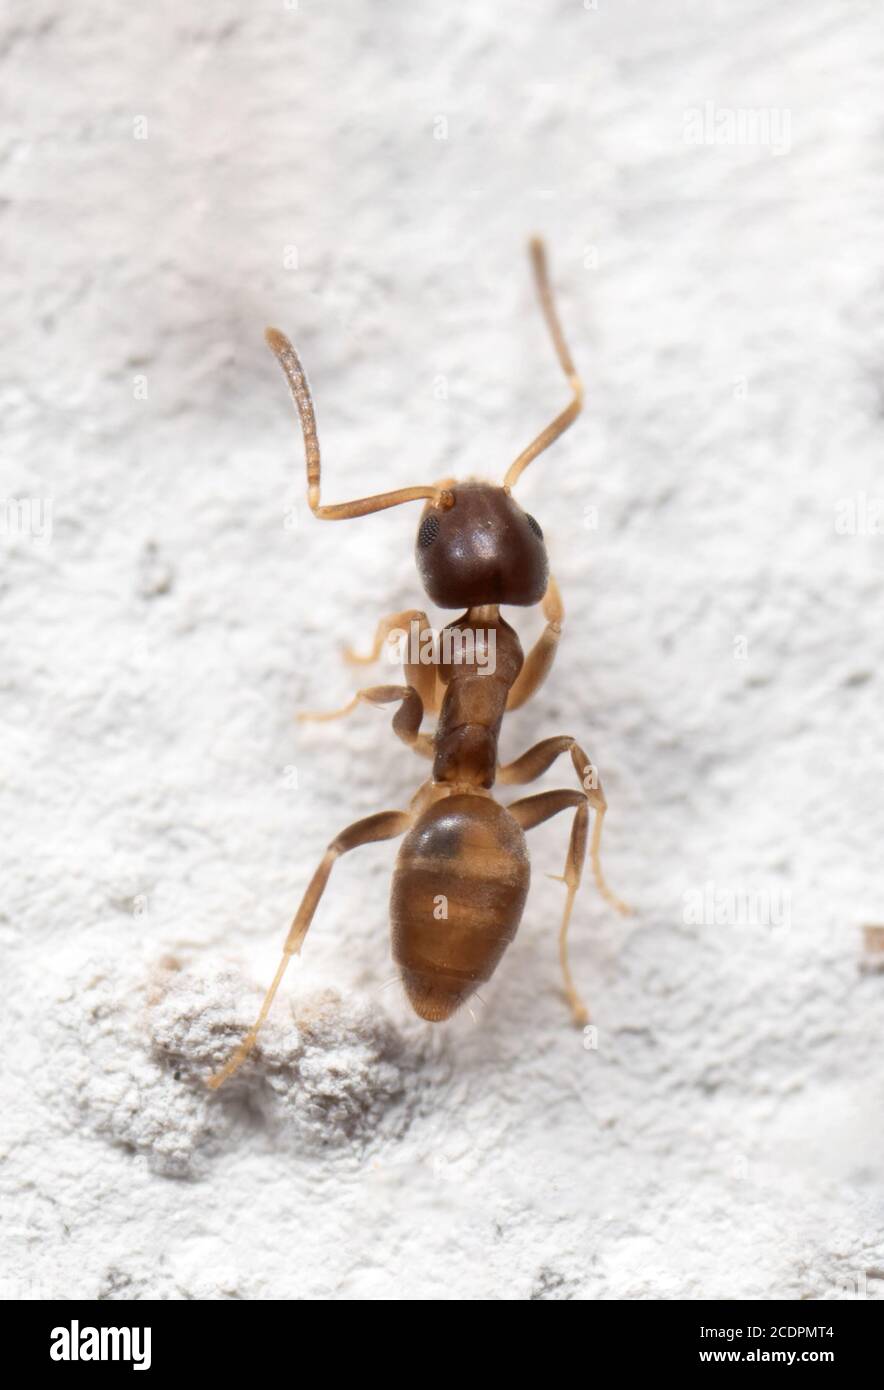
{"x": 538, "y": 760}
{"x": 386, "y": 825}
{"x": 406, "y": 720}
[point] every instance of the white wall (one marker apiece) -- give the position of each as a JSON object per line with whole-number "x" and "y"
{"x": 721, "y": 660}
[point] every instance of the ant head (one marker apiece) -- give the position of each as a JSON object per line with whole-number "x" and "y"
{"x": 480, "y": 548}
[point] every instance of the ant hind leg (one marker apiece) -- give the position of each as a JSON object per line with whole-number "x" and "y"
{"x": 386, "y": 825}
{"x": 533, "y": 810}
{"x": 538, "y": 760}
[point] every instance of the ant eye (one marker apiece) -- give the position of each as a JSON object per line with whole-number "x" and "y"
{"x": 428, "y": 532}
{"x": 535, "y": 526}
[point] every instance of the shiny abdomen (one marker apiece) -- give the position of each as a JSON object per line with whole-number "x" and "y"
{"x": 458, "y": 893}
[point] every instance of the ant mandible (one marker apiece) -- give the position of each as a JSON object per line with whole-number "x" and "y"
{"x": 476, "y": 549}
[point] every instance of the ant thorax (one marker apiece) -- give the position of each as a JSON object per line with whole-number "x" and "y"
{"x": 474, "y": 703}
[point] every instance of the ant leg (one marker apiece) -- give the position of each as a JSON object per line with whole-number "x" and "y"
{"x": 386, "y": 825}
{"x": 533, "y": 810}
{"x": 415, "y": 627}
{"x": 406, "y": 721}
{"x": 325, "y": 716}
{"x": 393, "y": 623}
{"x": 536, "y": 761}
{"x": 296, "y": 377}
{"x": 420, "y": 674}
{"x": 572, "y": 410}
{"x": 538, "y": 662}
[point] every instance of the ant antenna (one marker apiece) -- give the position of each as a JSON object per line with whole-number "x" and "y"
{"x": 572, "y": 410}
{"x": 297, "y": 379}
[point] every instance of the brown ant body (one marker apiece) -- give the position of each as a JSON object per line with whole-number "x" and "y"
{"x": 462, "y": 873}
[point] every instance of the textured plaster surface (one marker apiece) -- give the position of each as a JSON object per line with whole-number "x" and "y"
{"x": 172, "y": 180}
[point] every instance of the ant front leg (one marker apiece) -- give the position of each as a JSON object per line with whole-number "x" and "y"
{"x": 538, "y": 662}
{"x": 406, "y": 720}
{"x": 415, "y": 628}
{"x": 386, "y": 825}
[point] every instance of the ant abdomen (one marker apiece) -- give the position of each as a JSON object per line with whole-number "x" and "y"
{"x": 459, "y": 890}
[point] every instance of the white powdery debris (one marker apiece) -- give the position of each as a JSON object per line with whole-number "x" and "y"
{"x": 123, "y": 1085}
{"x": 345, "y": 1077}
{"x": 335, "y": 1072}
{"x": 136, "y": 1055}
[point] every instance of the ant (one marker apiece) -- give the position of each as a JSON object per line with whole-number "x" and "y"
{"x": 462, "y": 874}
